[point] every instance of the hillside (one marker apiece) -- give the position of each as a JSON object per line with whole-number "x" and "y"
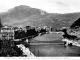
{"x": 25, "y": 15}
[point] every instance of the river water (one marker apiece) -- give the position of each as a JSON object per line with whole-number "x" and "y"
{"x": 54, "y": 50}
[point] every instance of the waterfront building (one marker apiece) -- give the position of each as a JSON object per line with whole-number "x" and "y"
{"x": 7, "y": 32}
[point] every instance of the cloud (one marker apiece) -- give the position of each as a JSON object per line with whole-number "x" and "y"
{"x": 62, "y": 4}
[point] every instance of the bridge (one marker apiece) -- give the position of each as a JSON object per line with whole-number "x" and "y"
{"x": 71, "y": 42}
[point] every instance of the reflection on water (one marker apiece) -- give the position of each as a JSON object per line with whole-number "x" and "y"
{"x": 54, "y": 50}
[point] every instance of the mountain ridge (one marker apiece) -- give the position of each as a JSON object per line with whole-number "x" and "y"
{"x": 25, "y": 15}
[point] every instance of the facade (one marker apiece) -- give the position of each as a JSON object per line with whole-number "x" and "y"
{"x": 7, "y": 32}
{"x": 78, "y": 34}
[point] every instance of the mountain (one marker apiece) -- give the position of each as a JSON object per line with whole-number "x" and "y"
{"x": 24, "y": 15}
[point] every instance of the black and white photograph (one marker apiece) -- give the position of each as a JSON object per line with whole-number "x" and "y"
{"x": 40, "y": 28}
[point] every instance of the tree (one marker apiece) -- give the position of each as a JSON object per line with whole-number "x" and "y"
{"x": 0, "y": 24}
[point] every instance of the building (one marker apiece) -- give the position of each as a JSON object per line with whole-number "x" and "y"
{"x": 7, "y": 33}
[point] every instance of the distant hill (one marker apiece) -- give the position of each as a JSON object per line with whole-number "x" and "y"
{"x": 24, "y": 15}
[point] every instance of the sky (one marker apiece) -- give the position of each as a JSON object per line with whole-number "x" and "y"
{"x": 50, "y": 6}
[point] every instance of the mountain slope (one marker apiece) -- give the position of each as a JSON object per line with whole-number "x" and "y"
{"x": 25, "y": 15}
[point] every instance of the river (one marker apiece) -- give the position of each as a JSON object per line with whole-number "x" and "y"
{"x": 54, "y": 50}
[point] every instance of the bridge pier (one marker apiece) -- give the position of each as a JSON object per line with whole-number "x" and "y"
{"x": 67, "y": 44}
